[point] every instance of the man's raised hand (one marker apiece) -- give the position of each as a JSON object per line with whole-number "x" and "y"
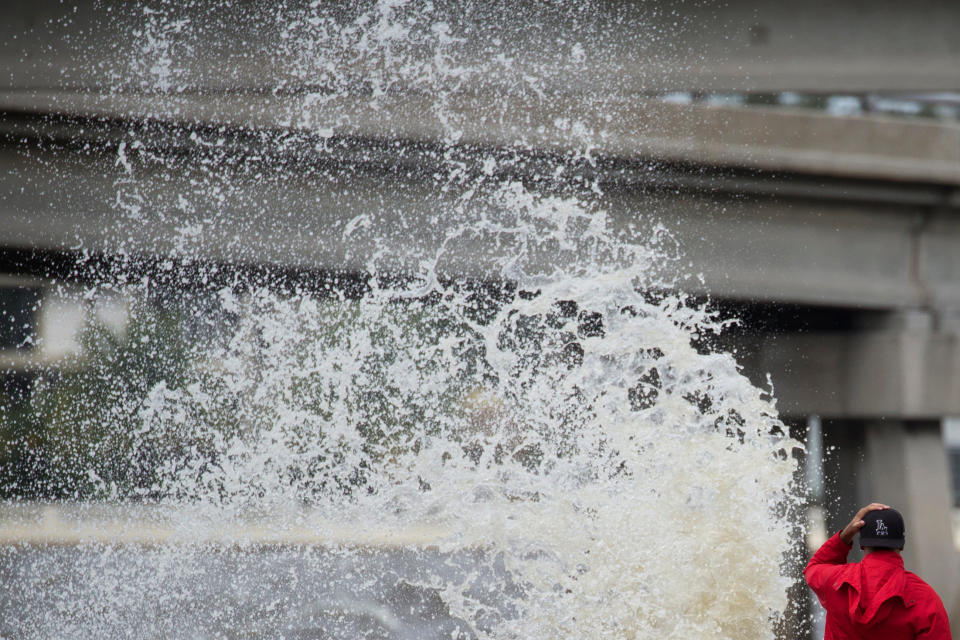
{"x": 857, "y": 523}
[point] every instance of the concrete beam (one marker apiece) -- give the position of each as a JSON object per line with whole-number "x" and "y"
{"x": 744, "y": 45}
{"x": 804, "y": 250}
{"x": 906, "y": 466}
{"x": 849, "y": 246}
{"x": 896, "y": 374}
{"x": 611, "y": 127}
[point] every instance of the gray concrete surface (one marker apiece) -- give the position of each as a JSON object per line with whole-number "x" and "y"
{"x": 741, "y": 45}
{"x": 802, "y": 141}
{"x": 801, "y": 226}
{"x": 895, "y": 374}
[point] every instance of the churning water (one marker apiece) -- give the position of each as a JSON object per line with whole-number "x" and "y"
{"x": 477, "y": 407}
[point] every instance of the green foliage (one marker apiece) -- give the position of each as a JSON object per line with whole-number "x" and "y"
{"x": 143, "y": 414}
{"x": 88, "y": 409}
{"x": 22, "y": 446}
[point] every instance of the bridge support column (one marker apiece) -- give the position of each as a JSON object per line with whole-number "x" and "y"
{"x": 904, "y": 464}
{"x": 843, "y": 473}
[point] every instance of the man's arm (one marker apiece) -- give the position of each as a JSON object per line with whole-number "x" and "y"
{"x": 820, "y": 569}
{"x": 834, "y": 551}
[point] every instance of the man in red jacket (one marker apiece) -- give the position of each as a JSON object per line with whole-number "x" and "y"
{"x": 876, "y": 598}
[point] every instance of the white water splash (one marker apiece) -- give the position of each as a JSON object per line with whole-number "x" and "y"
{"x": 553, "y": 407}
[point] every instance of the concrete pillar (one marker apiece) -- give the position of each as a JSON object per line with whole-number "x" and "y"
{"x": 906, "y": 466}
{"x": 843, "y": 458}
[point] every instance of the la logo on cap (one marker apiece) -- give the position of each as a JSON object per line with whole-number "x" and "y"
{"x": 881, "y": 528}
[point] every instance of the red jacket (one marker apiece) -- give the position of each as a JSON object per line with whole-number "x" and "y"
{"x": 874, "y": 599}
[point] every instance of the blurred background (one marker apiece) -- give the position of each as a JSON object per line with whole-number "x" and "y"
{"x": 804, "y": 158}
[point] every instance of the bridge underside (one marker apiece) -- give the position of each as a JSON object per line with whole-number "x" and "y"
{"x": 876, "y": 235}
{"x": 832, "y": 218}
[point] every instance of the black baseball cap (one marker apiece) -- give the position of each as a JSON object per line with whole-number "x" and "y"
{"x": 883, "y": 528}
